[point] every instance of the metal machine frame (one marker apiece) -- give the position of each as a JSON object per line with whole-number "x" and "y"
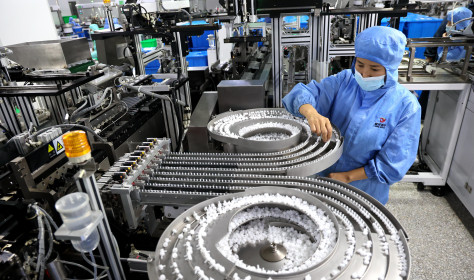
{"x": 439, "y": 174}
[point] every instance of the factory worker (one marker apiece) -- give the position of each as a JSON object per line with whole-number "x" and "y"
{"x": 455, "y": 53}
{"x": 379, "y": 118}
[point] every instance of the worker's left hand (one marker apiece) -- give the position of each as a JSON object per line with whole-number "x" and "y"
{"x": 340, "y": 176}
{"x": 445, "y": 34}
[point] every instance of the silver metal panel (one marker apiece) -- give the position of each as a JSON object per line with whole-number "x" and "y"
{"x": 291, "y": 40}
{"x": 76, "y": 50}
{"x": 241, "y": 94}
{"x": 53, "y": 54}
{"x": 197, "y": 134}
{"x": 461, "y": 173}
{"x": 441, "y": 125}
{"x": 111, "y": 50}
{"x": 438, "y": 155}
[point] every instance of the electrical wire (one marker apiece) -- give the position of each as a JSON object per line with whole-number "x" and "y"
{"x": 189, "y": 15}
{"x": 110, "y": 102}
{"x": 41, "y": 243}
{"x": 79, "y": 109}
{"x": 43, "y": 219}
{"x": 179, "y": 10}
{"x": 92, "y": 261}
{"x": 70, "y": 126}
{"x": 47, "y": 216}
{"x": 471, "y": 18}
{"x": 101, "y": 276}
{"x": 123, "y": 115}
{"x": 152, "y": 94}
{"x": 98, "y": 104}
{"x": 51, "y": 238}
{"x": 78, "y": 265}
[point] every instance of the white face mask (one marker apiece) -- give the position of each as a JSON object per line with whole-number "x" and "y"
{"x": 449, "y": 29}
{"x": 371, "y": 83}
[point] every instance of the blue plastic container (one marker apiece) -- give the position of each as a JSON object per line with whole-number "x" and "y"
{"x": 400, "y": 27}
{"x": 77, "y": 29}
{"x": 199, "y": 43}
{"x": 196, "y": 59}
{"x": 417, "y": 26}
{"x": 152, "y": 68}
{"x": 153, "y": 64}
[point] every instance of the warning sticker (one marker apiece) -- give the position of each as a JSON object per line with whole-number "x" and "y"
{"x": 59, "y": 144}
{"x": 59, "y": 147}
{"x": 56, "y": 147}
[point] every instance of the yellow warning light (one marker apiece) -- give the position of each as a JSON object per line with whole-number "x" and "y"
{"x": 76, "y": 146}
{"x": 106, "y": 1}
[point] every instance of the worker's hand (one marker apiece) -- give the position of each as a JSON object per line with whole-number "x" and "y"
{"x": 445, "y": 34}
{"x": 318, "y": 124}
{"x": 340, "y": 176}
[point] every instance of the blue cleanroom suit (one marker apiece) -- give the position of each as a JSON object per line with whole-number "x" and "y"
{"x": 456, "y": 53}
{"x": 381, "y": 127}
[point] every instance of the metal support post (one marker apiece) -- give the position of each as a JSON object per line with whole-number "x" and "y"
{"x": 27, "y": 111}
{"x": 108, "y": 12}
{"x": 7, "y": 115}
{"x": 138, "y": 50}
{"x": 410, "y": 64}
{"x": 466, "y": 61}
{"x": 276, "y": 55}
{"x": 85, "y": 181}
{"x": 171, "y": 123}
{"x": 184, "y": 69}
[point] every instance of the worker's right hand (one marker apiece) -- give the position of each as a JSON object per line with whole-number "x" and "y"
{"x": 318, "y": 124}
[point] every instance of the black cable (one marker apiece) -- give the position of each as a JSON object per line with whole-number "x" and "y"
{"x": 141, "y": 7}
{"x": 180, "y": 118}
{"x": 124, "y": 49}
{"x": 7, "y": 132}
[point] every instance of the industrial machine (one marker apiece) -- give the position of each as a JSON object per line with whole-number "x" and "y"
{"x": 196, "y": 172}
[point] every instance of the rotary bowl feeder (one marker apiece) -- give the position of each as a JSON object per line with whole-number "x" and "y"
{"x": 283, "y": 233}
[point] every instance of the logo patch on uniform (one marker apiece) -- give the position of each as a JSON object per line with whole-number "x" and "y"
{"x": 381, "y": 123}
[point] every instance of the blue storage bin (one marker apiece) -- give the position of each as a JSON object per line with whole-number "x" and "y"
{"x": 199, "y": 43}
{"x": 197, "y": 58}
{"x": 400, "y": 27}
{"x": 152, "y": 68}
{"x": 417, "y": 26}
{"x": 153, "y": 64}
